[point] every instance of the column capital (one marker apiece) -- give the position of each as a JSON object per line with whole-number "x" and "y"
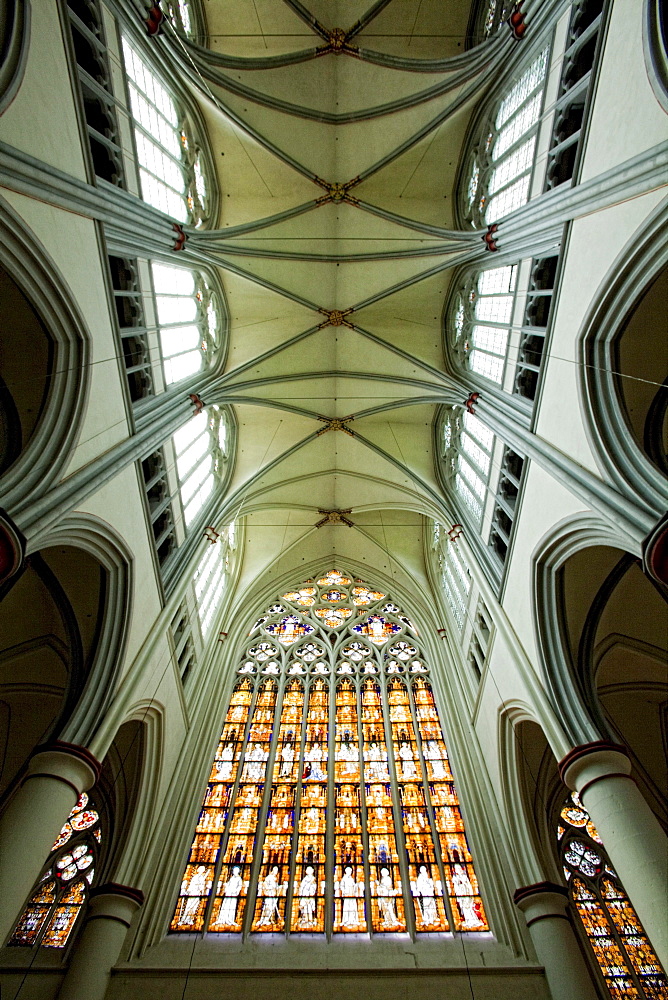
{"x": 113, "y": 901}
{"x": 541, "y": 901}
{"x": 591, "y": 762}
{"x": 116, "y": 889}
{"x": 67, "y": 762}
{"x": 538, "y": 888}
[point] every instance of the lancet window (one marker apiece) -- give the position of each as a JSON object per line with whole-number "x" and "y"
{"x": 455, "y": 579}
{"x": 50, "y": 915}
{"x": 331, "y": 807}
{"x": 624, "y": 955}
{"x": 500, "y": 170}
{"x": 485, "y": 477}
{"x": 200, "y": 449}
{"x": 170, "y": 172}
{"x": 211, "y": 578}
{"x": 498, "y": 322}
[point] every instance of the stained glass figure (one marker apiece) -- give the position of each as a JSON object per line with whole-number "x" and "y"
{"x": 52, "y": 911}
{"x": 623, "y": 952}
{"x": 331, "y": 806}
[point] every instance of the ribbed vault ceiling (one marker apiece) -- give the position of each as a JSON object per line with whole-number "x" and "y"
{"x": 280, "y": 135}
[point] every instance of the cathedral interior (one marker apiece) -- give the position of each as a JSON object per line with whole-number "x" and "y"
{"x": 333, "y": 490}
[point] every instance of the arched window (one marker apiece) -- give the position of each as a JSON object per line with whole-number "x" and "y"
{"x": 181, "y": 305}
{"x": 200, "y": 448}
{"x": 211, "y": 578}
{"x": 624, "y": 955}
{"x": 53, "y": 909}
{"x": 455, "y": 579}
{"x": 169, "y": 168}
{"x": 498, "y": 321}
{"x": 500, "y": 170}
{"x": 331, "y": 806}
{"x": 484, "y": 474}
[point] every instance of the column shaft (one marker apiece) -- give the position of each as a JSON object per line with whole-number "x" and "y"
{"x": 545, "y": 908}
{"x": 109, "y": 916}
{"x": 33, "y": 819}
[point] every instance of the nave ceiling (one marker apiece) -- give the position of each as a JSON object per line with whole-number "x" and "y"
{"x": 381, "y": 363}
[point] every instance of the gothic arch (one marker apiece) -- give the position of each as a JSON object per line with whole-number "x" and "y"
{"x": 36, "y": 459}
{"x": 108, "y": 550}
{"x": 629, "y": 450}
{"x": 655, "y": 48}
{"x": 14, "y": 45}
{"x": 600, "y": 624}
{"x": 558, "y": 667}
{"x": 526, "y": 759}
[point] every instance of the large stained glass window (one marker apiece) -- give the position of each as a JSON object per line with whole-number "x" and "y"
{"x": 331, "y": 807}
{"x": 622, "y": 950}
{"x": 56, "y": 903}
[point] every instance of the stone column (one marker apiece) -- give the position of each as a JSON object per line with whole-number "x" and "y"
{"x": 110, "y": 912}
{"x": 600, "y": 774}
{"x": 545, "y": 908}
{"x": 34, "y": 816}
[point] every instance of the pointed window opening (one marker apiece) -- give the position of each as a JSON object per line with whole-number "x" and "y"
{"x": 331, "y": 807}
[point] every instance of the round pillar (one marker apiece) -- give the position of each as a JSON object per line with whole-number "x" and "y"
{"x": 632, "y": 835}
{"x": 34, "y": 816}
{"x": 545, "y": 908}
{"x": 110, "y": 912}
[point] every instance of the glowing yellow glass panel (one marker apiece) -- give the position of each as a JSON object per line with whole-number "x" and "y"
{"x": 62, "y": 921}
{"x": 199, "y": 873}
{"x": 425, "y": 878}
{"x": 34, "y": 915}
{"x": 232, "y": 889}
{"x": 308, "y": 904}
{"x": 274, "y": 874}
{"x": 467, "y": 908}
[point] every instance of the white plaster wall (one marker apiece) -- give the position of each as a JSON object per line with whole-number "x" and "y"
{"x": 629, "y": 119}
{"x": 41, "y": 120}
{"x": 595, "y": 242}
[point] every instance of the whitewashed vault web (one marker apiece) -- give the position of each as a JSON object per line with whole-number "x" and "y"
{"x": 331, "y": 806}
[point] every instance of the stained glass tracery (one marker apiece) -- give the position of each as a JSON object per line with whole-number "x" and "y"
{"x": 623, "y": 952}
{"x": 52, "y": 911}
{"x": 331, "y": 807}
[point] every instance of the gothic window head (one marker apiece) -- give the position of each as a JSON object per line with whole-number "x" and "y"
{"x": 623, "y": 954}
{"x": 60, "y": 896}
{"x": 331, "y": 807}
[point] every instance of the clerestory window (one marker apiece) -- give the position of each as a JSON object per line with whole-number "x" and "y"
{"x": 170, "y": 172}
{"x": 500, "y": 170}
{"x": 331, "y": 807}
{"x": 200, "y": 449}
